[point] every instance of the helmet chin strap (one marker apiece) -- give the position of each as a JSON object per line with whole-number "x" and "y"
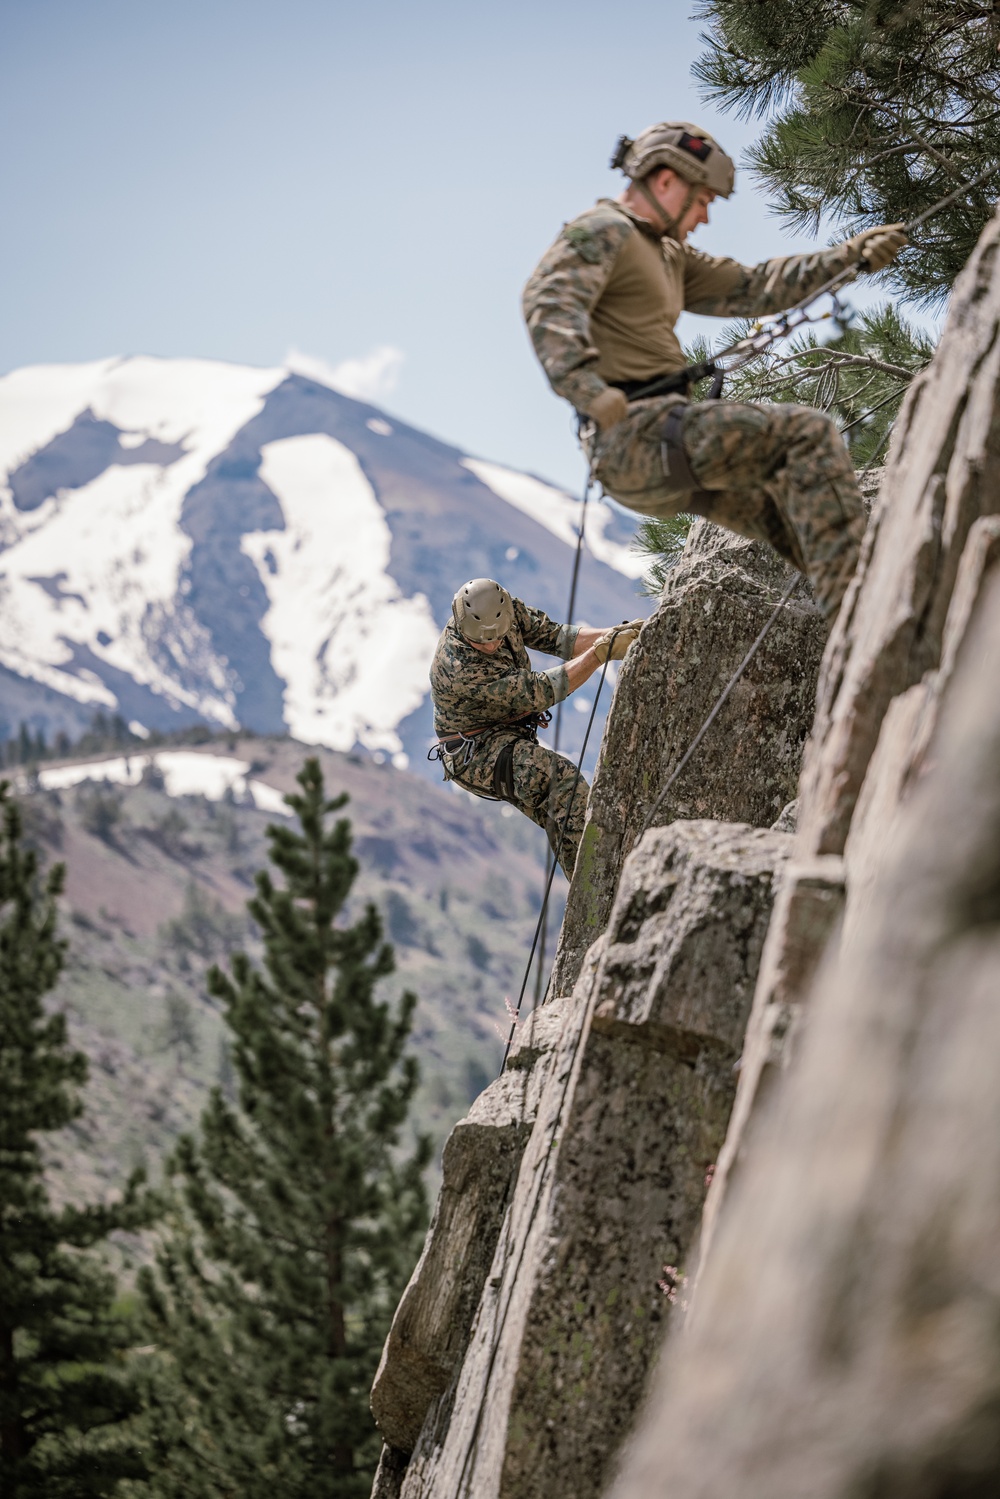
{"x": 672, "y": 224}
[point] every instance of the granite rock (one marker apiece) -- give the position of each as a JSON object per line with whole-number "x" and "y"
{"x": 430, "y": 1329}
{"x": 612, "y": 1182}
{"x": 939, "y": 479}
{"x": 844, "y": 1338}
{"x": 715, "y": 602}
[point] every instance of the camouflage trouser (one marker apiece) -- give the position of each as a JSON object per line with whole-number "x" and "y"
{"x": 777, "y": 473}
{"x": 534, "y": 769}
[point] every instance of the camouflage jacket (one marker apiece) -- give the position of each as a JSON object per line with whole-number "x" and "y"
{"x": 473, "y": 690}
{"x": 602, "y": 303}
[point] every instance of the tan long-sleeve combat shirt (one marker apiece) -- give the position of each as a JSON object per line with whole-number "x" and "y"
{"x": 602, "y": 304}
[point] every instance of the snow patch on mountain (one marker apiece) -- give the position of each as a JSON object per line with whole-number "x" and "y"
{"x": 184, "y": 538}
{"x": 99, "y": 570}
{"x": 200, "y": 403}
{"x": 41, "y": 401}
{"x": 352, "y": 651}
{"x": 96, "y": 571}
{"x": 184, "y": 772}
{"x": 559, "y": 513}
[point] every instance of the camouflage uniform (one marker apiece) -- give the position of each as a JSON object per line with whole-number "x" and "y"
{"x": 601, "y": 308}
{"x": 473, "y": 690}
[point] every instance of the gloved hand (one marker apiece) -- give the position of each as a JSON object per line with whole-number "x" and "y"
{"x": 609, "y": 408}
{"x": 879, "y": 247}
{"x": 613, "y": 644}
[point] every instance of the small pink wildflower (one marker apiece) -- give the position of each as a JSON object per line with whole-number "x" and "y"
{"x": 512, "y": 1016}
{"x": 672, "y": 1283}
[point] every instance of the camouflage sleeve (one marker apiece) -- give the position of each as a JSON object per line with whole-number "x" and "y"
{"x": 540, "y": 633}
{"x": 724, "y": 288}
{"x": 559, "y": 297}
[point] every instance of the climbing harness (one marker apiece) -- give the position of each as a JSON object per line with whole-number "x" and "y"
{"x": 454, "y": 752}
{"x": 551, "y": 858}
{"x": 515, "y": 1015}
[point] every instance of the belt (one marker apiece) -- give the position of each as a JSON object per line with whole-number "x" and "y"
{"x": 674, "y": 382}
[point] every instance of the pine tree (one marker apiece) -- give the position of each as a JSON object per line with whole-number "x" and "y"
{"x": 877, "y": 109}
{"x": 65, "y": 1390}
{"x": 301, "y": 1216}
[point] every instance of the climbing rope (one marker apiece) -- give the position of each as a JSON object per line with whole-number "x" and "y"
{"x": 555, "y": 860}
{"x": 551, "y": 860}
{"x": 538, "y": 1182}
{"x": 737, "y": 674}
{"x": 767, "y": 332}
{"x": 720, "y": 700}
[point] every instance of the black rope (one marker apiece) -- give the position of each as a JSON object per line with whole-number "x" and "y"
{"x": 865, "y": 415}
{"x": 538, "y": 1184}
{"x": 551, "y": 861}
{"x": 555, "y": 859}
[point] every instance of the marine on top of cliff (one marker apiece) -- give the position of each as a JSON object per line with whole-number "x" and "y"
{"x": 601, "y": 307}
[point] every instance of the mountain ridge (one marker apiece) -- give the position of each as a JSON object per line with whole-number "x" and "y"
{"x": 185, "y": 541}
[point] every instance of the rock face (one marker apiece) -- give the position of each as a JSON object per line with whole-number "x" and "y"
{"x": 933, "y": 538}
{"x": 611, "y": 1185}
{"x": 847, "y": 1304}
{"x": 940, "y": 478}
{"x": 717, "y": 599}
{"x": 430, "y": 1330}
{"x": 849, "y": 1308}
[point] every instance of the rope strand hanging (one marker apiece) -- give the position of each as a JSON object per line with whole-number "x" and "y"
{"x": 551, "y": 858}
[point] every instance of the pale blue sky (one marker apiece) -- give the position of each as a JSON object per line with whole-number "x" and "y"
{"x": 241, "y": 178}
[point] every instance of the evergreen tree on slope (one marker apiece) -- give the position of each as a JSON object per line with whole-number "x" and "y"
{"x": 65, "y": 1390}
{"x": 877, "y": 109}
{"x": 274, "y": 1292}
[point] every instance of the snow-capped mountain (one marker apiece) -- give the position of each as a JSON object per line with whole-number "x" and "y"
{"x": 187, "y": 541}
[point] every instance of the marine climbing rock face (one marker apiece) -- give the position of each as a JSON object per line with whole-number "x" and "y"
{"x": 482, "y": 610}
{"x": 486, "y": 707}
{"x": 692, "y": 153}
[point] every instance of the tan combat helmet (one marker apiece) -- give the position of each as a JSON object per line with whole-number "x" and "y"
{"x": 692, "y": 153}
{"x": 482, "y": 611}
